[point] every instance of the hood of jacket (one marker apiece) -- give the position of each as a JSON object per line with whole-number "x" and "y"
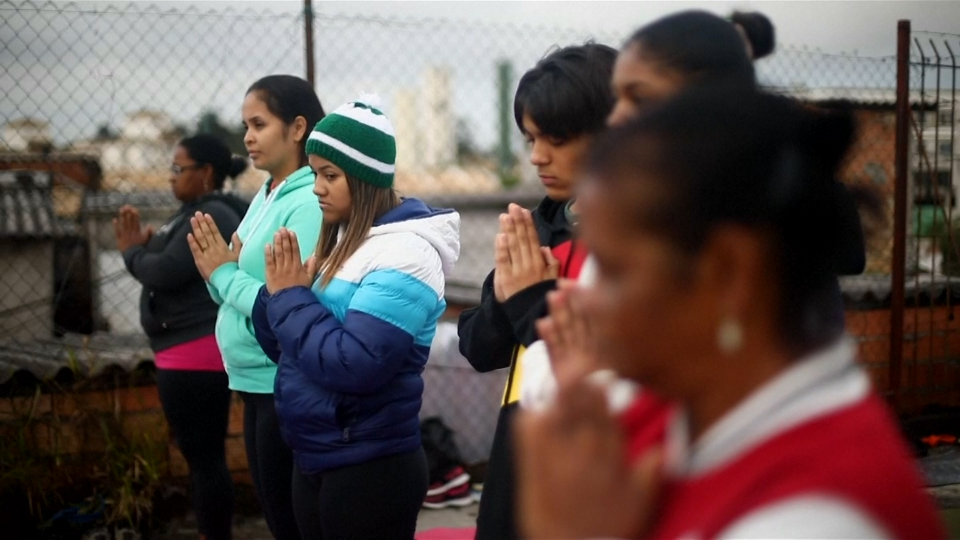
{"x": 438, "y": 226}
{"x": 551, "y": 222}
{"x": 235, "y": 203}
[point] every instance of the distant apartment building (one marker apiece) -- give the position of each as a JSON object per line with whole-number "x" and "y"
{"x": 139, "y": 156}
{"x": 425, "y": 123}
{"x": 439, "y": 126}
{"x": 26, "y": 134}
{"x": 935, "y": 168}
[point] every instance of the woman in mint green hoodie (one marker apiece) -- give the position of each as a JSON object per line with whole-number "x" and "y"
{"x": 278, "y": 111}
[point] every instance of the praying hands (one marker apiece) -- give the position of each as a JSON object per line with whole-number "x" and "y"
{"x": 284, "y": 267}
{"x": 520, "y": 259}
{"x": 209, "y": 249}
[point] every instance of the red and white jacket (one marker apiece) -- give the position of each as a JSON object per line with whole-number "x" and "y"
{"x": 811, "y": 454}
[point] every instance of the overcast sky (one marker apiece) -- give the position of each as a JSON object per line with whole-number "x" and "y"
{"x": 80, "y": 69}
{"x": 869, "y": 27}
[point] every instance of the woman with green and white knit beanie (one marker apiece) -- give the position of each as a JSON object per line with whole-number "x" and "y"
{"x": 351, "y": 331}
{"x": 360, "y": 139}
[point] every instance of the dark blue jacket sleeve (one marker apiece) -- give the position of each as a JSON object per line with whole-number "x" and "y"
{"x": 362, "y": 353}
{"x": 261, "y": 326}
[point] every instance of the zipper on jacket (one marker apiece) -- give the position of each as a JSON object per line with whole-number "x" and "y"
{"x": 346, "y": 435}
{"x": 262, "y": 212}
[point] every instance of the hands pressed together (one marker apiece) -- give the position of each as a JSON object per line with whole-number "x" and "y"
{"x": 209, "y": 249}
{"x": 128, "y": 231}
{"x": 520, "y": 259}
{"x": 573, "y": 477}
{"x": 284, "y": 267}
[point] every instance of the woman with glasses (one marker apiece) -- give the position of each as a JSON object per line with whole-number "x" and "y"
{"x": 179, "y": 316}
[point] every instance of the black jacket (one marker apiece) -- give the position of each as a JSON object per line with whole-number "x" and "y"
{"x": 491, "y": 335}
{"x": 175, "y": 306}
{"x": 490, "y": 332}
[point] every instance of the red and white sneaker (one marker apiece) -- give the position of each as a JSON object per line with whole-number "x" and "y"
{"x": 455, "y": 477}
{"x": 457, "y": 496}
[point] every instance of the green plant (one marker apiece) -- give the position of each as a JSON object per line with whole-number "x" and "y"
{"x": 38, "y": 476}
{"x": 509, "y": 181}
{"x": 948, "y": 239}
{"x": 103, "y": 467}
{"x": 130, "y": 471}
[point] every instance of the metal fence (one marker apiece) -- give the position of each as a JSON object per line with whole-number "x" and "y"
{"x": 925, "y": 335}
{"x": 96, "y": 96}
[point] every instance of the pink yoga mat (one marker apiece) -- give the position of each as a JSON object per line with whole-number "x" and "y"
{"x": 448, "y": 533}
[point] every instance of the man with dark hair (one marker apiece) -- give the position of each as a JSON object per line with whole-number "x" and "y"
{"x": 559, "y": 106}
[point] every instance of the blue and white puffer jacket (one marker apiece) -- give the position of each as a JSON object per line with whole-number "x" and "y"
{"x": 349, "y": 386}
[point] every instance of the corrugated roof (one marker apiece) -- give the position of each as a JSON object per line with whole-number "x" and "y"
{"x": 83, "y": 355}
{"x": 26, "y": 208}
{"x": 17, "y": 158}
{"x": 884, "y": 97}
{"x": 874, "y": 291}
{"x": 110, "y": 201}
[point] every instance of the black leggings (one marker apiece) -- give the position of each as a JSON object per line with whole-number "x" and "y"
{"x": 197, "y": 407}
{"x": 379, "y": 499}
{"x": 271, "y": 464}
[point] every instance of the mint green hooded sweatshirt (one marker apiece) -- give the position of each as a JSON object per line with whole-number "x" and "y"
{"x": 235, "y": 285}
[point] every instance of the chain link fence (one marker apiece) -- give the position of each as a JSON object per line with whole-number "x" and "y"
{"x": 929, "y": 371}
{"x": 97, "y": 95}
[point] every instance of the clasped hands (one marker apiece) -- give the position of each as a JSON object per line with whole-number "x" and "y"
{"x": 573, "y": 477}
{"x": 284, "y": 268}
{"x": 209, "y": 249}
{"x": 520, "y": 259}
{"x": 127, "y": 229}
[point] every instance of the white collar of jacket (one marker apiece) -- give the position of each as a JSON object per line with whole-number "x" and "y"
{"x": 439, "y": 227}
{"x": 299, "y": 178}
{"x": 826, "y": 381}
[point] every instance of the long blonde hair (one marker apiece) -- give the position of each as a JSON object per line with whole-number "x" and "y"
{"x": 368, "y": 203}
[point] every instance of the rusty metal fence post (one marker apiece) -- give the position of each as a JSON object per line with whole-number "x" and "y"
{"x": 898, "y": 272}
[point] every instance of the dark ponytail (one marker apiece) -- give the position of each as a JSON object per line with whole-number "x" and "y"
{"x": 700, "y": 45}
{"x": 758, "y": 30}
{"x": 207, "y": 149}
{"x": 727, "y": 153}
{"x": 237, "y": 166}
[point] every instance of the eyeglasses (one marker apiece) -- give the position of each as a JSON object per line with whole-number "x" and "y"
{"x": 177, "y": 169}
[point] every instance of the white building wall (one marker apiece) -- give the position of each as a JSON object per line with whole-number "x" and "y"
{"x": 439, "y": 129}
{"x": 407, "y": 128}
{"x": 18, "y": 137}
{"x": 26, "y": 279}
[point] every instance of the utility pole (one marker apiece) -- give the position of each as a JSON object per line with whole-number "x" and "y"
{"x": 504, "y": 85}
{"x": 308, "y": 40}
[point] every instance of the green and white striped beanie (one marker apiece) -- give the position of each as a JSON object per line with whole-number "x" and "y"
{"x": 358, "y": 138}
